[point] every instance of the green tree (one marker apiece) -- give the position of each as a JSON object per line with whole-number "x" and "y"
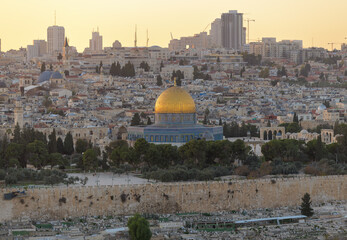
{"x": 56, "y": 159}
{"x": 306, "y": 206}
{"x": 119, "y": 155}
{"x": 316, "y": 149}
{"x": 139, "y": 228}
{"x": 47, "y": 102}
{"x": 159, "y": 80}
{"x": 322, "y": 76}
{"x": 326, "y": 104}
{"x": 43, "y": 67}
{"x": 68, "y": 144}
{"x": 12, "y": 152}
{"x": 60, "y": 146}
{"x": 113, "y": 69}
{"x": 264, "y": 73}
{"x": 242, "y": 71}
{"x": 60, "y": 57}
{"x": 90, "y": 159}
{"x": 295, "y": 118}
{"x": 52, "y": 142}
{"x": 16, "y": 134}
{"x": 136, "y": 120}
{"x": 149, "y": 122}
{"x": 38, "y": 153}
{"x": 81, "y": 145}
{"x": 141, "y": 146}
{"x": 144, "y": 65}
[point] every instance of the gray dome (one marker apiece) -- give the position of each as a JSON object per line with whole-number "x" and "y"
{"x": 44, "y": 76}
{"x": 56, "y": 75}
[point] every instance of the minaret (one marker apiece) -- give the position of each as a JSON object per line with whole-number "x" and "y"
{"x": 101, "y": 74}
{"x": 18, "y": 114}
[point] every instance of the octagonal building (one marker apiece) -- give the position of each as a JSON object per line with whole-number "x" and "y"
{"x": 175, "y": 121}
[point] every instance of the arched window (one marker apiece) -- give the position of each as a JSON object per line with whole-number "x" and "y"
{"x": 270, "y": 135}
{"x": 265, "y": 135}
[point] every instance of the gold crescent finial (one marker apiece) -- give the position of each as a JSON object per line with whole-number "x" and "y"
{"x": 175, "y": 82}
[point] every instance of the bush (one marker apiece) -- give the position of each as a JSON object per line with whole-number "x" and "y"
{"x": 2, "y": 174}
{"x": 11, "y": 179}
{"x": 242, "y": 170}
{"x": 183, "y": 173}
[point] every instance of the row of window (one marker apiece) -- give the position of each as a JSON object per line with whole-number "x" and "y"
{"x": 166, "y": 138}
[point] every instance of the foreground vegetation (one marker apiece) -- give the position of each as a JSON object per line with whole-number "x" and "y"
{"x": 195, "y": 160}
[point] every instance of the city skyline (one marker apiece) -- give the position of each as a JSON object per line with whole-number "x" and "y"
{"x": 315, "y": 22}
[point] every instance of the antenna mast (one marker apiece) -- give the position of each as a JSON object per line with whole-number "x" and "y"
{"x": 135, "y": 42}
{"x": 55, "y": 18}
{"x": 147, "y": 39}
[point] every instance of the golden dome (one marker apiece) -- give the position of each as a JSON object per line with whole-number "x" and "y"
{"x": 175, "y": 100}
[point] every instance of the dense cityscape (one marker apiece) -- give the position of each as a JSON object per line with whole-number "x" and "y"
{"x": 138, "y": 142}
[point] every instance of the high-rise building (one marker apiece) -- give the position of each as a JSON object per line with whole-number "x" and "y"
{"x": 42, "y": 46}
{"x": 198, "y": 41}
{"x": 55, "y": 39}
{"x": 232, "y": 30}
{"x": 216, "y": 33}
{"x": 38, "y": 49}
{"x": 95, "y": 44}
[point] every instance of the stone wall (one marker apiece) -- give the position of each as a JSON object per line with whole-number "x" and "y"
{"x": 59, "y": 202}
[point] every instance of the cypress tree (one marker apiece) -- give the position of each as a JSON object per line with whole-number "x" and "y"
{"x": 68, "y": 144}
{"x": 16, "y": 134}
{"x": 43, "y": 67}
{"x": 159, "y": 81}
{"x": 136, "y": 120}
{"x": 52, "y": 143}
{"x": 60, "y": 146}
{"x": 306, "y": 205}
{"x": 113, "y": 69}
{"x": 149, "y": 122}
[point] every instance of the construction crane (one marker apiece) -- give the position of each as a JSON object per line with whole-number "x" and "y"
{"x": 332, "y": 45}
{"x": 171, "y": 36}
{"x": 248, "y": 20}
{"x": 206, "y": 27}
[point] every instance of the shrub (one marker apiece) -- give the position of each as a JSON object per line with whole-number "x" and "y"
{"x": 242, "y": 170}
{"x": 11, "y": 179}
{"x": 2, "y": 174}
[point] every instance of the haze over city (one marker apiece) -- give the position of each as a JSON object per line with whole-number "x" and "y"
{"x": 316, "y": 22}
{"x": 185, "y": 119}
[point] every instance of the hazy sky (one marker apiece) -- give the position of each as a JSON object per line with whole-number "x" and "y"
{"x": 25, "y": 20}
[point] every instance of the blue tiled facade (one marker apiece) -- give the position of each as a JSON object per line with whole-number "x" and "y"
{"x": 175, "y": 129}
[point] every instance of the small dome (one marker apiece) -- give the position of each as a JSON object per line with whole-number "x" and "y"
{"x": 303, "y": 131}
{"x": 56, "y": 75}
{"x": 175, "y": 100}
{"x": 44, "y": 76}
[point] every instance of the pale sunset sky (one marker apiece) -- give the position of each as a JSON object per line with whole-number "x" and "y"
{"x": 22, "y": 21}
